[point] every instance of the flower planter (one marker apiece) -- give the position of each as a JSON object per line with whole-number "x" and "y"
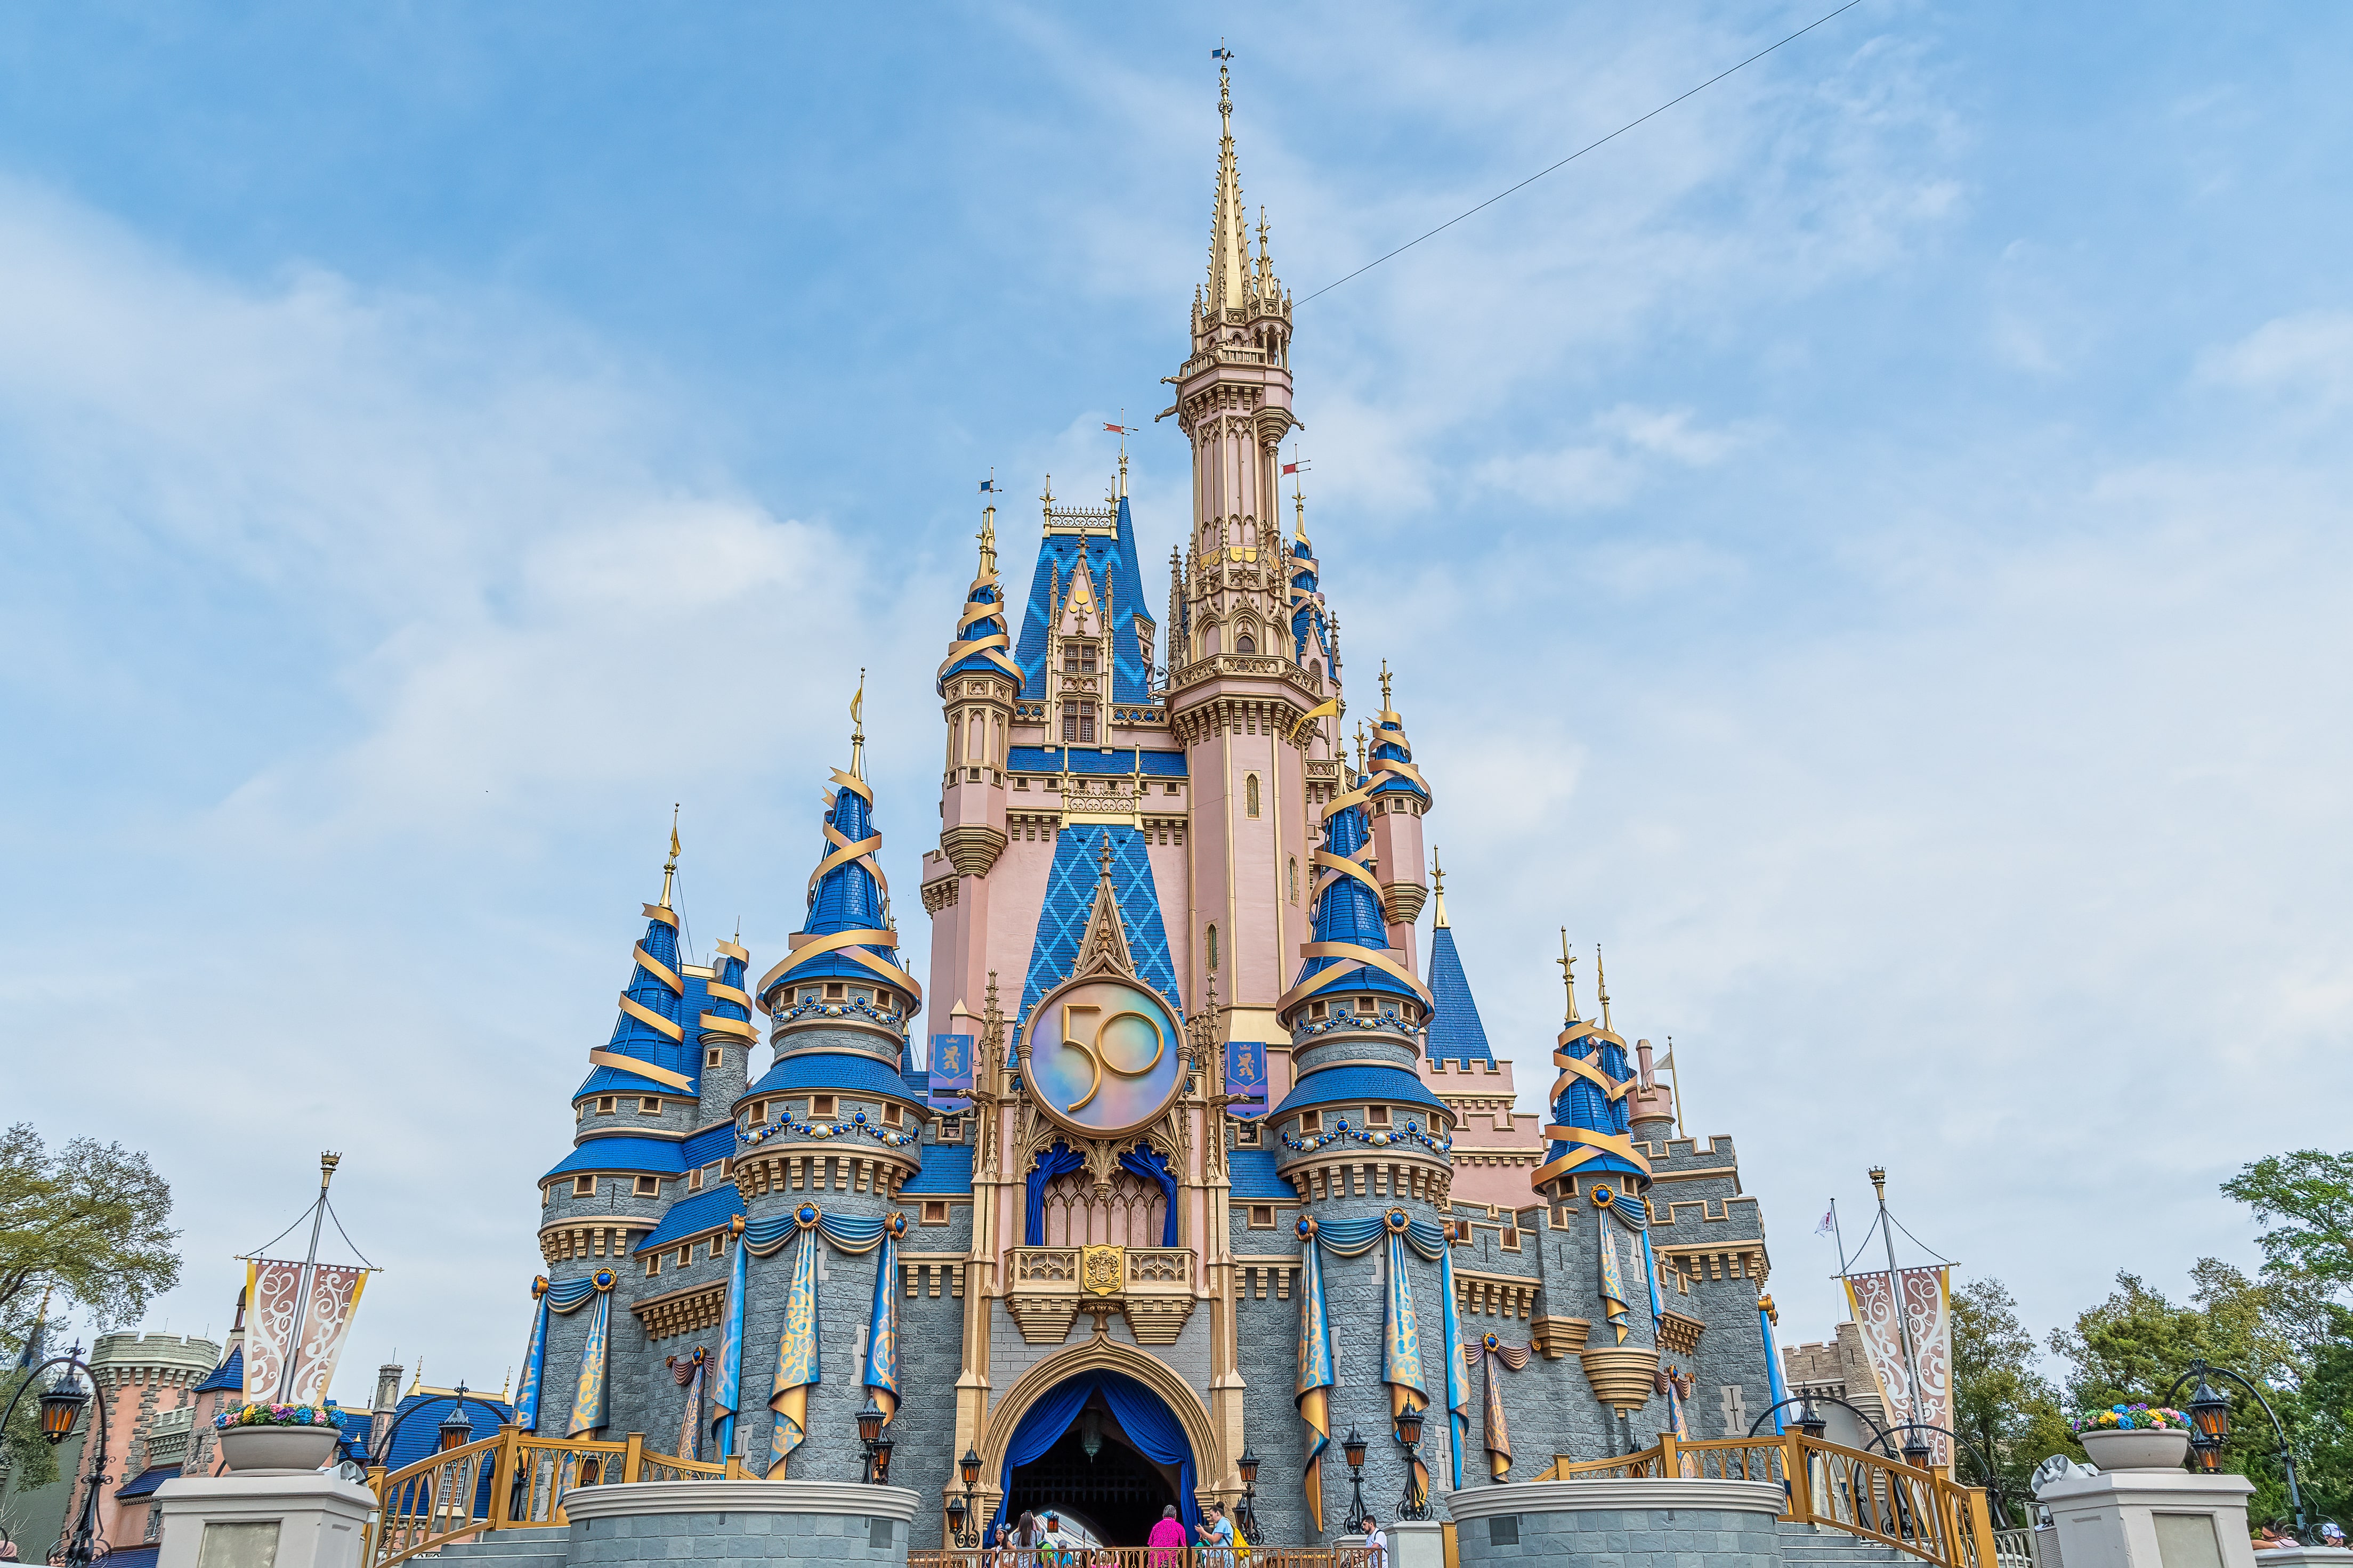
{"x": 245, "y": 1449}
{"x": 2114, "y": 1449}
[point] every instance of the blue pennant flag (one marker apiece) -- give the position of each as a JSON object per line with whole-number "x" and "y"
{"x": 988, "y": 484}
{"x": 1221, "y": 54}
{"x": 1246, "y": 1075}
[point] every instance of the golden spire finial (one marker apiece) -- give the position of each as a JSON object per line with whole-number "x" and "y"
{"x": 988, "y": 534}
{"x": 1601, "y": 982}
{"x": 1360, "y": 745}
{"x": 670, "y": 867}
{"x": 1229, "y": 240}
{"x": 1104, "y": 859}
{"x": 1568, "y": 973}
{"x": 1047, "y": 500}
{"x": 1438, "y": 887}
{"x": 858, "y": 728}
{"x": 1386, "y": 706}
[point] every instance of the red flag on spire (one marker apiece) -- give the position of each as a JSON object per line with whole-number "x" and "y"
{"x": 1121, "y": 430}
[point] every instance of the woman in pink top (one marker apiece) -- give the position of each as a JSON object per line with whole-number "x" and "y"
{"x": 1166, "y": 1541}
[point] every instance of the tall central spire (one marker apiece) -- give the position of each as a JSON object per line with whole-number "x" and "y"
{"x": 1230, "y": 231}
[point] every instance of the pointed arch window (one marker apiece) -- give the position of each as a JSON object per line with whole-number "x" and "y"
{"x": 1212, "y": 945}
{"x": 1295, "y": 878}
{"x": 1245, "y": 643}
{"x": 1250, "y": 794}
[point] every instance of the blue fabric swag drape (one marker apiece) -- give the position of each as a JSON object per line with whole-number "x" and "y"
{"x": 1151, "y": 1425}
{"x": 1055, "y": 1162}
{"x": 1150, "y": 1163}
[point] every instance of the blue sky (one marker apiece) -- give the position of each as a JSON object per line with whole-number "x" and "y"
{"x": 1867, "y": 547}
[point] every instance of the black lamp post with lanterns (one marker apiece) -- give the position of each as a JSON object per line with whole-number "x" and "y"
{"x": 2210, "y": 1424}
{"x": 61, "y": 1405}
{"x": 878, "y": 1447}
{"x": 1353, "y": 1445}
{"x": 1415, "y": 1504}
{"x": 1247, "y": 1468}
{"x": 963, "y": 1512}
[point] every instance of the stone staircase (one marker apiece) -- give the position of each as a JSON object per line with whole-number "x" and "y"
{"x": 548, "y": 1546}
{"x": 1806, "y": 1546}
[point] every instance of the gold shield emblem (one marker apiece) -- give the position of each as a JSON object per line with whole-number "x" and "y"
{"x": 1102, "y": 1268}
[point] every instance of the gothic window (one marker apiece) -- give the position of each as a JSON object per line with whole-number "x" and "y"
{"x": 1079, "y": 722}
{"x": 1315, "y": 668}
{"x": 1209, "y": 642}
{"x": 1250, "y": 796}
{"x": 1078, "y": 658}
{"x": 1213, "y": 949}
{"x": 1295, "y": 878}
{"x": 1245, "y": 643}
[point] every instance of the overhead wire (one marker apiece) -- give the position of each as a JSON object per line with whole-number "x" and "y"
{"x": 1581, "y": 151}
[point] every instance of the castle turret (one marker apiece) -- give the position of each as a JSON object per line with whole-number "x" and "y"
{"x": 977, "y": 683}
{"x": 1398, "y": 798}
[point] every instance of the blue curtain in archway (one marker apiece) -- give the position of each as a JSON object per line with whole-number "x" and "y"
{"x": 1149, "y": 1423}
{"x": 1055, "y": 1162}
{"x": 1150, "y": 1163}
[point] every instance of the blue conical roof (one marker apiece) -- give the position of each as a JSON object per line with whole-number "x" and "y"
{"x": 650, "y": 1029}
{"x": 1456, "y": 1034}
{"x": 847, "y": 893}
{"x": 1584, "y": 1117}
{"x": 1109, "y": 559}
{"x": 1347, "y": 912}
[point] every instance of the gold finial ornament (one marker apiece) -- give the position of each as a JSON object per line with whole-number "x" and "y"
{"x": 1601, "y": 983}
{"x": 988, "y": 534}
{"x": 670, "y": 867}
{"x": 1568, "y": 973}
{"x": 1386, "y": 706}
{"x": 1437, "y": 888}
{"x": 1360, "y": 745}
{"x": 858, "y": 728}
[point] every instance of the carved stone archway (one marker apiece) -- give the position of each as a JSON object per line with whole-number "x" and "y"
{"x": 1212, "y": 1469}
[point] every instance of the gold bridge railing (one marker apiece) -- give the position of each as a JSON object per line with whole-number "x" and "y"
{"x": 1923, "y": 1512}
{"x": 513, "y": 1480}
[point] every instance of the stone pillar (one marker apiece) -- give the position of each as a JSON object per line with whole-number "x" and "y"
{"x": 272, "y": 1518}
{"x": 2151, "y": 1519}
{"x": 739, "y": 1523}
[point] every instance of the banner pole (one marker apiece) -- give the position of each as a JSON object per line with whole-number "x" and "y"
{"x": 327, "y": 1163}
{"x": 1896, "y": 1289}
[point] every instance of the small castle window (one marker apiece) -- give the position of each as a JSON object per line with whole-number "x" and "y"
{"x": 951, "y": 1129}
{"x": 584, "y": 1186}
{"x": 821, "y": 1105}
{"x": 1365, "y": 1005}
{"x": 649, "y": 1105}
{"x": 547, "y": 1194}
{"x": 759, "y": 1111}
{"x": 1172, "y": 789}
{"x": 1079, "y": 722}
{"x": 653, "y": 1264}
{"x": 833, "y": 991}
{"x": 893, "y": 1115}
{"x": 1511, "y": 1239}
{"x": 1261, "y": 1217}
{"x": 718, "y": 1244}
{"x": 1213, "y": 949}
{"x": 1246, "y": 1135}
{"x": 604, "y": 1105}
{"x": 649, "y": 1186}
{"x": 1295, "y": 878}
{"x": 1316, "y": 1009}
{"x": 713, "y": 1055}
{"x": 1250, "y": 794}
{"x": 686, "y": 1255}
{"x": 1245, "y": 643}
{"x": 1311, "y": 1122}
{"x": 694, "y": 1181}
{"x": 935, "y": 1213}
{"x": 1315, "y": 668}
{"x": 712, "y": 1172}
{"x": 1078, "y": 657}
{"x": 1377, "y": 1116}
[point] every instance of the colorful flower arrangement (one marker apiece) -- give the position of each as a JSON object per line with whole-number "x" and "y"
{"x": 2130, "y": 1418}
{"x": 261, "y": 1415}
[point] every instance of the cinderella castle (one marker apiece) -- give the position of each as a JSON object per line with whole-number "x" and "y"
{"x": 1189, "y": 1160}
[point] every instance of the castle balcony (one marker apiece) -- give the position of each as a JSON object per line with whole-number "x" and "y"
{"x": 1152, "y": 1287}
{"x": 1248, "y": 666}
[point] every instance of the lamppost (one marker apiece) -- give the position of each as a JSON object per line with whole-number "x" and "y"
{"x": 877, "y": 1446}
{"x": 61, "y": 1405}
{"x": 963, "y": 1512}
{"x": 1247, "y": 1468}
{"x": 1415, "y": 1504}
{"x": 2209, "y": 1421}
{"x": 1353, "y": 1445}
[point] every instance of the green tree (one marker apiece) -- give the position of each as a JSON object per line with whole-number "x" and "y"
{"x": 87, "y": 1228}
{"x": 2001, "y": 1404}
{"x": 2312, "y": 1192}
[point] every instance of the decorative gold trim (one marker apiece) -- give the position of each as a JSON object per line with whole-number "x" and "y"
{"x": 646, "y": 1070}
{"x": 713, "y": 1024}
{"x": 651, "y": 1019}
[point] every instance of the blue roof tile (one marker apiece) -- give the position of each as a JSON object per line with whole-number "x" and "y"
{"x": 840, "y": 1072}
{"x": 710, "y": 1143}
{"x": 1112, "y": 564}
{"x": 1094, "y": 761}
{"x": 1349, "y": 911}
{"x": 1377, "y": 1085}
{"x": 1070, "y": 899}
{"x": 946, "y": 1173}
{"x": 419, "y": 1435}
{"x": 645, "y": 1156}
{"x": 1251, "y": 1172}
{"x": 1456, "y": 1034}
{"x": 230, "y": 1373}
{"x": 148, "y": 1480}
{"x": 133, "y": 1556}
{"x": 633, "y": 1038}
{"x": 693, "y": 1215}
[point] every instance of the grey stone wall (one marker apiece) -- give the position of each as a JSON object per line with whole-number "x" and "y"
{"x": 1623, "y": 1538}
{"x": 735, "y": 1539}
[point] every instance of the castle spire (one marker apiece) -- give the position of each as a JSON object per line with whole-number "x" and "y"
{"x": 1569, "y": 975}
{"x": 670, "y": 867}
{"x": 1601, "y": 982}
{"x": 648, "y": 1048}
{"x": 1229, "y": 229}
{"x": 1437, "y": 888}
{"x": 858, "y": 728}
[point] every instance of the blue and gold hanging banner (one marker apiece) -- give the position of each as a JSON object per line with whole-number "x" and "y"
{"x": 1495, "y": 1436}
{"x": 564, "y": 1299}
{"x": 727, "y": 1397}
{"x": 797, "y": 1362}
{"x": 950, "y": 1067}
{"x": 1458, "y": 1393}
{"x": 882, "y": 1321}
{"x": 1401, "y": 1341}
{"x": 589, "y": 1393}
{"x": 1310, "y": 1389}
{"x": 1613, "y": 1280}
{"x": 1245, "y": 1075}
{"x": 690, "y": 1371}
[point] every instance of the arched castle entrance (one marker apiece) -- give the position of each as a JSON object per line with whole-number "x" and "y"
{"x": 1156, "y": 1445}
